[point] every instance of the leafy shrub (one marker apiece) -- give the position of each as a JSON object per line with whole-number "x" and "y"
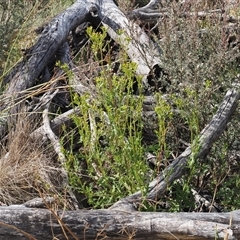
{"x": 110, "y": 136}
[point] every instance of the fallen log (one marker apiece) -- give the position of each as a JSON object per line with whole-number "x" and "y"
{"x": 20, "y": 223}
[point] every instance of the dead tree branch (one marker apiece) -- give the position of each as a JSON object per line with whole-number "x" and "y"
{"x": 110, "y": 224}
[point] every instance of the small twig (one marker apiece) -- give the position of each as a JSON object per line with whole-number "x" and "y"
{"x": 52, "y": 137}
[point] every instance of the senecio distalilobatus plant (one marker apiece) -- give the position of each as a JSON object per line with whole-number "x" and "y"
{"x": 110, "y": 130}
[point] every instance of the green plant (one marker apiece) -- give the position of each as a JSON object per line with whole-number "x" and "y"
{"x": 201, "y": 68}
{"x": 164, "y": 115}
{"x": 200, "y": 71}
{"x": 110, "y": 130}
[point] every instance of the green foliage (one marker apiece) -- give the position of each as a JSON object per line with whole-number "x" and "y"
{"x": 110, "y": 136}
{"x": 110, "y": 130}
{"x": 201, "y": 69}
{"x": 164, "y": 114}
{"x": 180, "y": 197}
{"x": 13, "y": 15}
{"x": 98, "y": 42}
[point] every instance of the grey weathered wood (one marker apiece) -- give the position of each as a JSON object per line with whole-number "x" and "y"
{"x": 55, "y": 141}
{"x": 155, "y": 10}
{"x": 138, "y": 45}
{"x": 153, "y": 7}
{"x": 56, "y": 126}
{"x": 199, "y": 149}
{"x": 109, "y": 224}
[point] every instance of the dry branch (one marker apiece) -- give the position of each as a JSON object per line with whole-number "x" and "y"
{"x": 57, "y": 147}
{"x": 155, "y": 10}
{"x": 109, "y": 224}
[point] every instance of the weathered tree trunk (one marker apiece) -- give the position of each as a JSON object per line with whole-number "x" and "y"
{"x": 137, "y": 43}
{"x": 43, "y": 224}
{"x": 25, "y": 74}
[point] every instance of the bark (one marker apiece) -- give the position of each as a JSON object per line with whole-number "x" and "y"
{"x": 155, "y": 10}
{"x": 57, "y": 147}
{"x": 44, "y": 224}
{"x": 137, "y": 43}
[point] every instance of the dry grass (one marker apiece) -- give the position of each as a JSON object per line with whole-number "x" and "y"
{"x": 25, "y": 169}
